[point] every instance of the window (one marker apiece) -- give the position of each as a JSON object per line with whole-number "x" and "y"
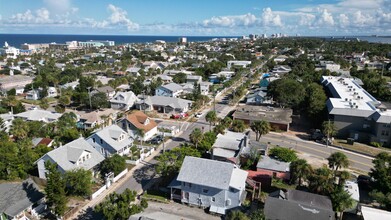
{"x": 213, "y": 199}
{"x": 228, "y": 202}
{"x": 93, "y": 140}
{"x": 101, "y": 150}
{"x": 101, "y": 141}
{"x": 189, "y": 185}
{"x": 205, "y": 191}
{"x": 231, "y": 189}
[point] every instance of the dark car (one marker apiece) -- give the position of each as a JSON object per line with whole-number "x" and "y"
{"x": 157, "y": 140}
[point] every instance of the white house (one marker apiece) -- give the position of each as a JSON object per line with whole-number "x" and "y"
{"x": 33, "y": 94}
{"x": 52, "y": 92}
{"x": 170, "y": 90}
{"x": 38, "y": 115}
{"x": 123, "y": 100}
{"x": 216, "y": 185}
{"x": 111, "y": 140}
{"x": 77, "y": 154}
{"x": 137, "y": 121}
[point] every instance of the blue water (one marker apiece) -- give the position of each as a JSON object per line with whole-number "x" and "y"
{"x": 17, "y": 39}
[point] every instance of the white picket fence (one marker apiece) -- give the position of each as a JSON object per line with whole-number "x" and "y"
{"x": 123, "y": 173}
{"x": 103, "y": 188}
{"x": 98, "y": 192}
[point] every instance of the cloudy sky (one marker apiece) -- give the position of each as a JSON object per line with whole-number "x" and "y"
{"x": 196, "y": 17}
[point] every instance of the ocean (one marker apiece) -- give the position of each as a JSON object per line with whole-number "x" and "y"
{"x": 17, "y": 39}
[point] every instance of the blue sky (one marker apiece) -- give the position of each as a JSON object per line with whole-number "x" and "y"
{"x": 196, "y": 17}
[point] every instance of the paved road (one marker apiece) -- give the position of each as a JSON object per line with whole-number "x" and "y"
{"x": 358, "y": 162}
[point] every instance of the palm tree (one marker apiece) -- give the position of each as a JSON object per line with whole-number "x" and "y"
{"x": 329, "y": 129}
{"x": 219, "y": 129}
{"x": 321, "y": 181}
{"x": 140, "y": 134}
{"x": 238, "y": 126}
{"x": 300, "y": 170}
{"x": 342, "y": 177}
{"x": 211, "y": 117}
{"x": 341, "y": 201}
{"x": 19, "y": 129}
{"x": 196, "y": 137}
{"x": 338, "y": 160}
{"x": 260, "y": 128}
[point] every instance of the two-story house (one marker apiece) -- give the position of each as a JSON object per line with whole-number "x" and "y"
{"x": 212, "y": 184}
{"x": 170, "y": 90}
{"x": 123, "y": 101}
{"x": 111, "y": 140}
{"x": 78, "y": 154}
{"x": 136, "y": 121}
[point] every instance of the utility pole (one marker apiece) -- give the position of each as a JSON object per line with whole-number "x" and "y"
{"x": 89, "y": 96}
{"x": 328, "y": 133}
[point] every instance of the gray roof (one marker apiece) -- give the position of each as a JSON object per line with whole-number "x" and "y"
{"x": 211, "y": 173}
{"x": 166, "y": 101}
{"x": 67, "y": 155}
{"x": 110, "y": 136}
{"x": 39, "y": 115}
{"x": 105, "y": 89}
{"x": 301, "y": 205}
{"x": 124, "y": 98}
{"x": 172, "y": 87}
{"x": 16, "y": 197}
{"x": 269, "y": 163}
{"x": 230, "y": 140}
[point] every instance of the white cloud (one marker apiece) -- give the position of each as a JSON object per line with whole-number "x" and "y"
{"x": 40, "y": 16}
{"x": 325, "y": 18}
{"x": 231, "y": 21}
{"x": 269, "y": 18}
{"x": 118, "y": 17}
{"x": 343, "y": 20}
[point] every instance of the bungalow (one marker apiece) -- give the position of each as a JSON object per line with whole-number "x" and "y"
{"x": 169, "y": 90}
{"x": 33, "y": 94}
{"x": 38, "y": 115}
{"x": 164, "y": 78}
{"x": 256, "y": 98}
{"x": 281, "y": 69}
{"x": 271, "y": 167}
{"x": 229, "y": 146}
{"x": 134, "y": 71}
{"x": 108, "y": 90}
{"x": 163, "y": 104}
{"x": 78, "y": 154}
{"x": 205, "y": 87}
{"x": 97, "y": 118}
{"x": 123, "y": 101}
{"x": 136, "y": 121}
{"x": 216, "y": 185}
{"x": 18, "y": 199}
{"x": 302, "y": 205}
{"x": 278, "y": 118}
{"x": 111, "y": 140}
{"x": 193, "y": 79}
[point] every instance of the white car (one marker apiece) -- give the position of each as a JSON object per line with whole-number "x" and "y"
{"x": 198, "y": 114}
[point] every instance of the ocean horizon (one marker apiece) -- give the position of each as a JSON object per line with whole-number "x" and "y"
{"x": 18, "y": 39}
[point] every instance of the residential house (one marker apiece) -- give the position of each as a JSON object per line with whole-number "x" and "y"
{"x": 256, "y": 98}
{"x": 33, "y": 94}
{"x": 281, "y": 69}
{"x": 169, "y": 90}
{"x": 42, "y": 141}
{"x": 72, "y": 85}
{"x": 192, "y": 79}
{"x": 279, "y": 118}
{"x": 216, "y": 185}
{"x": 268, "y": 166}
{"x": 216, "y": 77}
{"x": 134, "y": 71}
{"x": 369, "y": 213}
{"x": 52, "y": 92}
{"x": 136, "y": 121}
{"x": 356, "y": 113}
{"x": 38, "y": 115}
{"x": 301, "y": 205}
{"x": 163, "y": 104}
{"x": 111, "y": 140}
{"x": 205, "y": 87}
{"x": 240, "y": 63}
{"x": 164, "y": 78}
{"x": 108, "y": 90}
{"x": 7, "y": 121}
{"x": 20, "y": 200}
{"x": 280, "y": 59}
{"x": 229, "y": 146}
{"x": 94, "y": 119}
{"x": 123, "y": 101}
{"x": 78, "y": 154}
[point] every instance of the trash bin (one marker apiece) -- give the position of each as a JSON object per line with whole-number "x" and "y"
{"x": 350, "y": 141}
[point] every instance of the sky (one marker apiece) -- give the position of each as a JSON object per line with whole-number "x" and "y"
{"x": 197, "y": 17}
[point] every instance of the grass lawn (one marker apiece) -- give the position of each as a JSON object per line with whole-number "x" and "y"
{"x": 156, "y": 195}
{"x": 367, "y": 149}
{"x": 282, "y": 185}
{"x": 36, "y": 102}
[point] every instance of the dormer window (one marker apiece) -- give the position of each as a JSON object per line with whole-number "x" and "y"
{"x": 146, "y": 121}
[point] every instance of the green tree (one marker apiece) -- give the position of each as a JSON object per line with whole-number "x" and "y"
{"x": 55, "y": 190}
{"x": 59, "y": 109}
{"x": 196, "y": 136}
{"x": 321, "y": 181}
{"x": 329, "y": 129}
{"x": 44, "y": 103}
{"x": 287, "y": 92}
{"x": 381, "y": 172}
{"x": 219, "y": 129}
{"x": 238, "y": 126}
{"x": 338, "y": 160}
{"x": 19, "y": 129}
{"x": 79, "y": 182}
{"x": 99, "y": 100}
{"x": 115, "y": 164}
{"x": 207, "y": 141}
{"x": 211, "y": 117}
{"x": 300, "y": 170}
{"x": 283, "y": 154}
{"x": 341, "y": 201}
{"x": 315, "y": 100}
{"x": 236, "y": 215}
{"x": 179, "y": 78}
{"x": 257, "y": 215}
{"x": 64, "y": 100}
{"x": 170, "y": 162}
{"x": 260, "y": 128}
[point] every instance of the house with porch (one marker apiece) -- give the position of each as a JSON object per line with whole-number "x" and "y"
{"x": 169, "y": 90}
{"x": 111, "y": 140}
{"x": 212, "y": 184}
{"x": 163, "y": 104}
{"x": 136, "y": 121}
{"x": 123, "y": 101}
{"x": 78, "y": 154}
{"x": 98, "y": 118}
{"x": 21, "y": 200}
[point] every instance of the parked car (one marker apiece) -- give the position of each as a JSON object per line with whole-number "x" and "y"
{"x": 198, "y": 114}
{"x": 157, "y": 139}
{"x": 178, "y": 116}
